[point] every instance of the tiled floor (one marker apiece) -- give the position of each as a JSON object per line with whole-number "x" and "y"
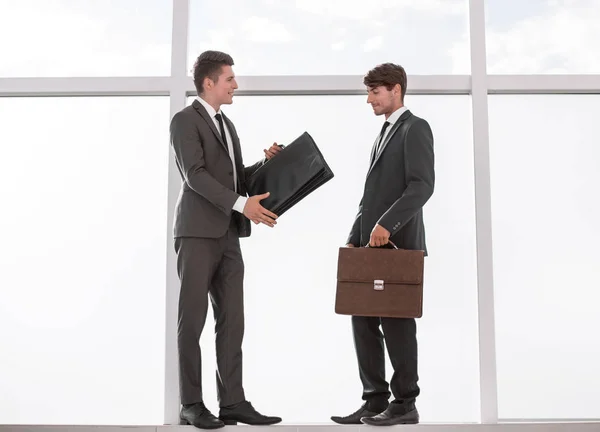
{"x": 505, "y": 427}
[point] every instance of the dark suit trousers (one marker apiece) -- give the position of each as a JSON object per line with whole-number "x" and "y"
{"x": 400, "y": 336}
{"x": 211, "y": 267}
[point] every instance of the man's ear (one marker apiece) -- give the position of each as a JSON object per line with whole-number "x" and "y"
{"x": 208, "y": 83}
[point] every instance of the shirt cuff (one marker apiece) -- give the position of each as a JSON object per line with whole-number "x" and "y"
{"x": 239, "y": 205}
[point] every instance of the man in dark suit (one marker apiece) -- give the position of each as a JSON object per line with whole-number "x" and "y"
{"x": 212, "y": 213}
{"x": 399, "y": 182}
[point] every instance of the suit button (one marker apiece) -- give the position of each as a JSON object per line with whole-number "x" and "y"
{"x": 231, "y": 173}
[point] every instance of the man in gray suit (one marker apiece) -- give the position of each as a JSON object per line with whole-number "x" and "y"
{"x": 399, "y": 182}
{"x": 212, "y": 213}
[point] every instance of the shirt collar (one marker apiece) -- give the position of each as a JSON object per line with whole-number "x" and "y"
{"x": 209, "y": 109}
{"x": 396, "y": 115}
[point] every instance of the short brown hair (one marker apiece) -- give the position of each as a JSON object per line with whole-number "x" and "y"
{"x": 209, "y": 64}
{"x": 388, "y": 75}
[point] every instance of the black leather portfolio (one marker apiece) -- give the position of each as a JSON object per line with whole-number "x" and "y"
{"x": 296, "y": 171}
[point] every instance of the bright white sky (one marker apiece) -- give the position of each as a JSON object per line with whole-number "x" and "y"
{"x": 270, "y": 37}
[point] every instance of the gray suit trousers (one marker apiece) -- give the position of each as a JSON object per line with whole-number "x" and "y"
{"x": 211, "y": 266}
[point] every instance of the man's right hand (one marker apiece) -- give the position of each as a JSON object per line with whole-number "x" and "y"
{"x": 257, "y": 213}
{"x": 349, "y": 245}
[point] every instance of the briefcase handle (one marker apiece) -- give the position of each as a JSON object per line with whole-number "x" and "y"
{"x": 389, "y": 241}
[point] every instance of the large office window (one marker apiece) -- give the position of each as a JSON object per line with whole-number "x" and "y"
{"x": 316, "y": 37}
{"x": 83, "y": 183}
{"x": 545, "y": 176}
{"x": 52, "y": 38}
{"x": 88, "y": 283}
{"x": 296, "y": 348}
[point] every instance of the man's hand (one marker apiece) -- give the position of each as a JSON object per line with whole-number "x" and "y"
{"x": 349, "y": 245}
{"x": 273, "y": 150}
{"x": 379, "y": 236}
{"x": 257, "y": 213}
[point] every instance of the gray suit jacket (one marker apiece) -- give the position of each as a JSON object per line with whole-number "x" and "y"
{"x": 205, "y": 204}
{"x": 399, "y": 182}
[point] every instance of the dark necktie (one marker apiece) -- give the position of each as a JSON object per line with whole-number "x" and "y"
{"x": 219, "y": 118}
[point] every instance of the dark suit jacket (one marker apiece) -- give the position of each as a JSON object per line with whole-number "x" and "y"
{"x": 399, "y": 182}
{"x": 205, "y": 204}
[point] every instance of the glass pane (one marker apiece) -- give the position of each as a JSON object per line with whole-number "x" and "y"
{"x": 333, "y": 37}
{"x": 542, "y": 37}
{"x": 67, "y": 38}
{"x": 291, "y": 269}
{"x": 545, "y": 176}
{"x": 83, "y": 226}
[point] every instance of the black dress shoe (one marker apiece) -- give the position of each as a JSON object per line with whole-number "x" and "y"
{"x": 244, "y": 412}
{"x": 198, "y": 415}
{"x": 394, "y": 415}
{"x": 354, "y": 418}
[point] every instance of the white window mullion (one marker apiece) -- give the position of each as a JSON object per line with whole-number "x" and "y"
{"x": 178, "y": 81}
{"x": 85, "y": 86}
{"x": 483, "y": 209}
{"x": 544, "y": 84}
{"x": 342, "y": 85}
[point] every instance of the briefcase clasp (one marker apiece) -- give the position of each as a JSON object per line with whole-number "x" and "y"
{"x": 378, "y": 285}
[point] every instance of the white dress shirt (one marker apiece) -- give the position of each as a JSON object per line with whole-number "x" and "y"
{"x": 392, "y": 119}
{"x": 241, "y": 201}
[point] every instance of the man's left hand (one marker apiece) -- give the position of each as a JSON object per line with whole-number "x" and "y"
{"x": 273, "y": 150}
{"x": 379, "y": 236}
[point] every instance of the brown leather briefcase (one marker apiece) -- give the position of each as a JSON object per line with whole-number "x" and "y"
{"x": 380, "y": 282}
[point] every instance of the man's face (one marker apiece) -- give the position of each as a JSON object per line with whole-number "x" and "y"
{"x": 384, "y": 101}
{"x": 221, "y": 91}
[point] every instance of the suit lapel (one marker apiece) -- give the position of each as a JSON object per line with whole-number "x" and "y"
{"x": 389, "y": 136}
{"x": 237, "y": 150}
{"x": 373, "y": 149}
{"x": 202, "y": 111}
{"x": 237, "y": 155}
